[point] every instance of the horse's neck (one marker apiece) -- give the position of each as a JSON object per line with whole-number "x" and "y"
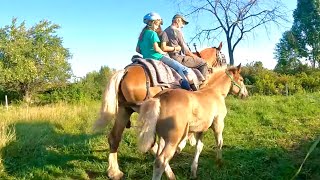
{"x": 209, "y": 55}
{"x": 219, "y": 83}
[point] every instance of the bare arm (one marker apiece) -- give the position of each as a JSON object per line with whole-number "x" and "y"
{"x": 157, "y": 48}
{"x": 166, "y": 48}
{"x": 138, "y": 50}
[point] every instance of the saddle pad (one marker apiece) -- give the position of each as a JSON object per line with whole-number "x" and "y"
{"x": 162, "y": 75}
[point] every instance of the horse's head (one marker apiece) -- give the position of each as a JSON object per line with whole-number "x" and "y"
{"x": 237, "y": 84}
{"x": 213, "y": 56}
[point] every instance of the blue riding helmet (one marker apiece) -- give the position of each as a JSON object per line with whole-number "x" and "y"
{"x": 151, "y": 17}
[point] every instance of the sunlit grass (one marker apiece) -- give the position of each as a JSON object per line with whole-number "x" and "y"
{"x": 264, "y": 138}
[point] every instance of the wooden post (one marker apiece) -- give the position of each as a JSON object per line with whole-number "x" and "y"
{"x": 6, "y": 97}
{"x": 287, "y": 90}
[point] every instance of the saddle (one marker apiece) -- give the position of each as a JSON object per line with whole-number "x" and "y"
{"x": 162, "y": 75}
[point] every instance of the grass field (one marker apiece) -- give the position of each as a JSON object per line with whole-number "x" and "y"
{"x": 264, "y": 138}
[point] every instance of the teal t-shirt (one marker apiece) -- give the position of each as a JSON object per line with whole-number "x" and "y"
{"x": 146, "y": 45}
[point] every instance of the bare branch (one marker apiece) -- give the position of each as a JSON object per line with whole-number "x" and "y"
{"x": 204, "y": 31}
{"x": 235, "y": 18}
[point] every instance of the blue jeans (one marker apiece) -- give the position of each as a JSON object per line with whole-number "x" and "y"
{"x": 181, "y": 69}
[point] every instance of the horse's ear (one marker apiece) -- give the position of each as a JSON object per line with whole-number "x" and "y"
{"x": 239, "y": 68}
{"x": 220, "y": 46}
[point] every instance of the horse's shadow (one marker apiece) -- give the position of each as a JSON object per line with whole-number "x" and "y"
{"x": 43, "y": 147}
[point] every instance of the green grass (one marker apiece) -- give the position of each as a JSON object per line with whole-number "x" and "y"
{"x": 264, "y": 138}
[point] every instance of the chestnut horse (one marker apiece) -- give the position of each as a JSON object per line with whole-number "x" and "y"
{"x": 125, "y": 90}
{"x": 175, "y": 113}
{"x": 207, "y": 55}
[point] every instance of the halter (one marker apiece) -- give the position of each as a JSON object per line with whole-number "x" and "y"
{"x": 233, "y": 83}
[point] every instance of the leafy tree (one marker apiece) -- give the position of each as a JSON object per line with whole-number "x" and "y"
{"x": 32, "y": 60}
{"x": 88, "y": 88}
{"x": 105, "y": 74}
{"x": 234, "y": 18}
{"x": 95, "y": 82}
{"x": 306, "y": 28}
{"x": 287, "y": 55}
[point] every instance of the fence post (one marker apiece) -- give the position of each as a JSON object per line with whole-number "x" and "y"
{"x": 287, "y": 90}
{"x": 6, "y": 97}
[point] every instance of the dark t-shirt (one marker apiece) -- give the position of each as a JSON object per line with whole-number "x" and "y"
{"x": 174, "y": 37}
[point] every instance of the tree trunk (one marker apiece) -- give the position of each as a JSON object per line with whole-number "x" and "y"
{"x": 230, "y": 51}
{"x": 27, "y": 97}
{"x": 313, "y": 59}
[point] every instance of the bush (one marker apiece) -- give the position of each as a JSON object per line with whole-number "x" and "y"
{"x": 267, "y": 82}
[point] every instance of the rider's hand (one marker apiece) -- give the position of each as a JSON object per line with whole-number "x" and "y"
{"x": 177, "y": 48}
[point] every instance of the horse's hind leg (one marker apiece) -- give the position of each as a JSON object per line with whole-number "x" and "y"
{"x": 162, "y": 162}
{"x": 114, "y": 139}
{"x": 199, "y": 147}
{"x": 168, "y": 170}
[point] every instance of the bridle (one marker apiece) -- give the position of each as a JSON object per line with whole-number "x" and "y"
{"x": 220, "y": 59}
{"x": 233, "y": 83}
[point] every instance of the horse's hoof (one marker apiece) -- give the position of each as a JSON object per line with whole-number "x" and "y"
{"x": 219, "y": 163}
{"x": 193, "y": 176}
{"x": 115, "y": 175}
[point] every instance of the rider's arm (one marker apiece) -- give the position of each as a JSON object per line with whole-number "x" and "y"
{"x": 184, "y": 47}
{"x": 157, "y": 48}
{"x": 138, "y": 50}
{"x": 166, "y": 48}
{"x": 164, "y": 45}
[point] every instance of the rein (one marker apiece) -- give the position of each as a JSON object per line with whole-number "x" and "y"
{"x": 233, "y": 83}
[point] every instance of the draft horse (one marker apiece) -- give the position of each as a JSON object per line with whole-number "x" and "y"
{"x": 173, "y": 114}
{"x": 124, "y": 91}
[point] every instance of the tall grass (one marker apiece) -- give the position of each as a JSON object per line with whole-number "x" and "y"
{"x": 265, "y": 137}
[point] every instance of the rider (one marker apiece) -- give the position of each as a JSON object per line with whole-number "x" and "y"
{"x": 172, "y": 41}
{"x": 149, "y": 48}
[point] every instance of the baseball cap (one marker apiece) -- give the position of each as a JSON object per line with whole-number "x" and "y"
{"x": 180, "y": 16}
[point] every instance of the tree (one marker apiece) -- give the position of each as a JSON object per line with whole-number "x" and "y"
{"x": 32, "y": 60}
{"x": 306, "y": 29}
{"x": 287, "y": 54}
{"x": 235, "y": 18}
{"x": 94, "y": 83}
{"x": 105, "y": 74}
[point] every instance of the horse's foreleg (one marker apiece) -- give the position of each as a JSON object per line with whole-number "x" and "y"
{"x": 218, "y": 126}
{"x": 114, "y": 139}
{"x": 199, "y": 148}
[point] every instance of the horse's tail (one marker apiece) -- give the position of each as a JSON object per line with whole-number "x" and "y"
{"x": 148, "y": 116}
{"x": 109, "y": 105}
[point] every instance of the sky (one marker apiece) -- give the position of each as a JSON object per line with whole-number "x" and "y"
{"x": 104, "y": 32}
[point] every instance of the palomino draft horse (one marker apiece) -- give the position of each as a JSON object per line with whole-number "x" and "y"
{"x": 125, "y": 89}
{"x": 173, "y": 114}
{"x": 207, "y": 55}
